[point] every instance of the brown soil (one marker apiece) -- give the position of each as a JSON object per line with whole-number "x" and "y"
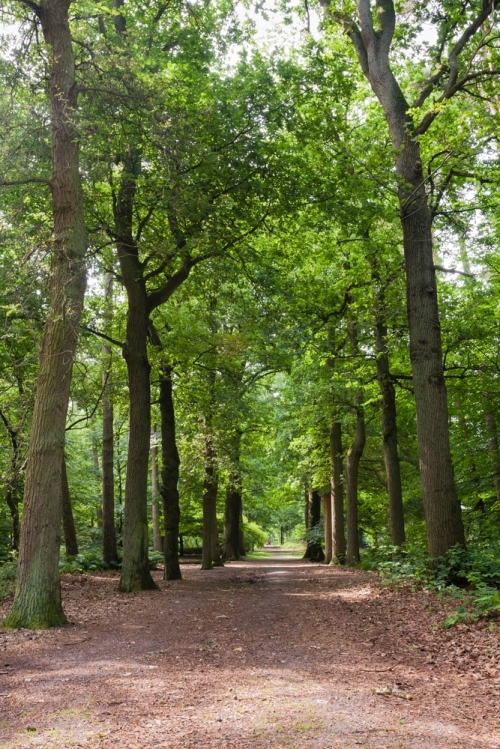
{"x": 259, "y": 655}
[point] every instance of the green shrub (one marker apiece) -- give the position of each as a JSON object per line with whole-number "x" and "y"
{"x": 255, "y": 537}
{"x": 8, "y": 572}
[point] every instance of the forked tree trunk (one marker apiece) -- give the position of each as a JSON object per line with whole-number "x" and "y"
{"x": 135, "y": 564}
{"x": 37, "y": 601}
{"x": 109, "y": 551}
{"x": 155, "y": 491}
{"x": 338, "y": 528}
{"x": 442, "y": 508}
{"x": 327, "y": 515}
{"x": 67, "y": 516}
{"x": 169, "y": 477}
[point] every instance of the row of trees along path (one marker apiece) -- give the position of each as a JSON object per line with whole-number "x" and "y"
{"x": 279, "y": 652}
{"x": 234, "y": 183}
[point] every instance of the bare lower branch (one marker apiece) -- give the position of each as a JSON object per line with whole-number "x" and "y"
{"x": 103, "y": 335}
{"x": 453, "y": 270}
{"x": 89, "y": 416}
{"x": 29, "y": 181}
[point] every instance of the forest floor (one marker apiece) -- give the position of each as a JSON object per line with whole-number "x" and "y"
{"x": 277, "y": 653}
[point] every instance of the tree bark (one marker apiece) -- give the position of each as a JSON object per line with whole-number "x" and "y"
{"x": 232, "y": 516}
{"x": 109, "y": 550}
{"x": 97, "y": 472}
{"x": 313, "y": 516}
{"x": 327, "y": 515}
{"x": 135, "y": 565}
{"x": 209, "y": 501}
{"x": 336, "y": 471}
{"x": 12, "y": 483}
{"x": 442, "y": 508}
{"x": 37, "y": 601}
{"x": 216, "y": 550}
{"x": 353, "y": 460}
{"x": 390, "y": 435}
{"x": 338, "y": 530}
{"x": 494, "y": 452}
{"x": 67, "y": 516}
{"x": 155, "y": 492}
{"x": 352, "y": 472}
{"x": 169, "y": 476}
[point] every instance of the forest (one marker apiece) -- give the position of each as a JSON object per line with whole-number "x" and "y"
{"x": 249, "y": 278}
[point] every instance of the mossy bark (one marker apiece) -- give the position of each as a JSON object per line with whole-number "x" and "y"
{"x": 37, "y": 600}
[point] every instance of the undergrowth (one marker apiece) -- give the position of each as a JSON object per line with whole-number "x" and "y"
{"x": 471, "y": 576}
{"x": 8, "y": 571}
{"x": 89, "y": 560}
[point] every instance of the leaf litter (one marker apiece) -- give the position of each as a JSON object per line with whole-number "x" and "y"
{"x": 292, "y": 668}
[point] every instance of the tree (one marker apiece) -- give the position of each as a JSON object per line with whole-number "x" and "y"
{"x": 372, "y": 41}
{"x": 37, "y": 601}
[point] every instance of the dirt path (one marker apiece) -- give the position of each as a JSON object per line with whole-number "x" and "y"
{"x": 259, "y": 655}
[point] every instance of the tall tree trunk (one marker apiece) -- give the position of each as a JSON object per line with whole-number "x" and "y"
{"x": 389, "y": 423}
{"x": 353, "y": 460}
{"x": 494, "y": 452}
{"x": 109, "y": 551}
{"x": 313, "y": 516}
{"x": 155, "y": 491}
{"x": 13, "y": 505}
{"x": 336, "y": 472}
{"x": 216, "y": 550}
{"x": 338, "y": 529}
{"x": 169, "y": 476}
{"x": 352, "y": 472}
{"x": 37, "y": 601}
{"x": 390, "y": 439}
{"x": 95, "y": 461}
{"x": 327, "y": 515}
{"x": 233, "y": 505}
{"x": 209, "y": 499}
{"x": 67, "y": 516}
{"x": 442, "y": 508}
{"x": 135, "y": 565}
{"x": 12, "y": 482}
{"x": 232, "y": 515}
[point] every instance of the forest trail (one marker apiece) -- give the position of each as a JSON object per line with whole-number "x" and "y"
{"x": 270, "y": 654}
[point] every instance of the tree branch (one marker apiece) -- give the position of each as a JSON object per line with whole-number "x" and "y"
{"x": 29, "y": 181}
{"x": 352, "y": 30}
{"x": 30, "y": 4}
{"x": 453, "y": 270}
{"x": 161, "y": 295}
{"x": 103, "y": 335}
{"x": 89, "y": 416}
{"x": 387, "y": 19}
